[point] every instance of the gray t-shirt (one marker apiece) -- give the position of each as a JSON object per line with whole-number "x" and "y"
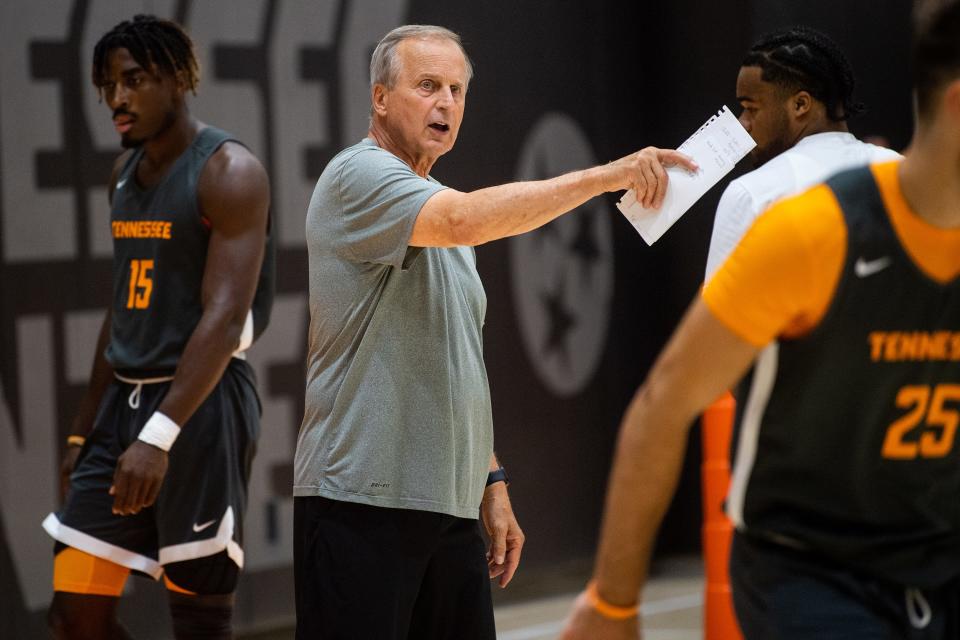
{"x": 397, "y": 401}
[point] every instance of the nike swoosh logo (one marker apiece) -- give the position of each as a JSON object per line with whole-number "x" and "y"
{"x": 864, "y": 268}
{"x": 197, "y": 528}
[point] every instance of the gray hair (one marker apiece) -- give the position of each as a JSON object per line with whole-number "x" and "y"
{"x": 385, "y": 64}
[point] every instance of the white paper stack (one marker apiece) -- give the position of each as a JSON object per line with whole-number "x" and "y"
{"x": 716, "y": 147}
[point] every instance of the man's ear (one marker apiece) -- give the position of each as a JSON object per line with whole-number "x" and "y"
{"x": 180, "y": 79}
{"x": 950, "y": 102}
{"x": 801, "y": 103}
{"x": 378, "y": 99}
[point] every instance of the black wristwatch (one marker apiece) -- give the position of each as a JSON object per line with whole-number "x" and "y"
{"x": 498, "y": 475}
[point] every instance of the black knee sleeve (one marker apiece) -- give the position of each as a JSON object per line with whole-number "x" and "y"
{"x": 199, "y": 618}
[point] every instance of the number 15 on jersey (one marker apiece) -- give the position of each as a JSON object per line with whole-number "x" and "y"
{"x": 141, "y": 284}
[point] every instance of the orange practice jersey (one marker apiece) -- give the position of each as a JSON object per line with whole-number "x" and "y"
{"x": 781, "y": 278}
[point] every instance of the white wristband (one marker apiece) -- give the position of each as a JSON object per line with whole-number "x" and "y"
{"x": 160, "y": 431}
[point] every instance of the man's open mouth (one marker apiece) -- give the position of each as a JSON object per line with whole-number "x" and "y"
{"x": 440, "y": 126}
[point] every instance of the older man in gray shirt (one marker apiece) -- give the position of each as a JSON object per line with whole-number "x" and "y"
{"x": 395, "y": 461}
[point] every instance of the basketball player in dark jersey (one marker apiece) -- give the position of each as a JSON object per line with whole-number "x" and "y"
{"x": 160, "y": 451}
{"x": 846, "y": 480}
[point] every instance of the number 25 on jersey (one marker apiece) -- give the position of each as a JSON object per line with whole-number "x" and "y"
{"x": 141, "y": 284}
{"x": 928, "y": 417}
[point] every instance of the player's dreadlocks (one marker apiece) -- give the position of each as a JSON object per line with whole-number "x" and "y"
{"x": 936, "y": 51}
{"x": 154, "y": 43}
{"x": 801, "y": 58}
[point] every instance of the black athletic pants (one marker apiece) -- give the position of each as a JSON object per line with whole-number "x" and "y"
{"x": 375, "y": 573}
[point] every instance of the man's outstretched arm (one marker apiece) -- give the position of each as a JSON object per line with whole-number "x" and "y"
{"x": 454, "y": 218}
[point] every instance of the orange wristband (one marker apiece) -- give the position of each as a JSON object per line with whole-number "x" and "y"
{"x": 607, "y": 610}
{"x": 76, "y": 441}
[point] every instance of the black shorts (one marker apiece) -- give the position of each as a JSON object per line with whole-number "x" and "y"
{"x": 389, "y": 574}
{"x": 784, "y": 594}
{"x": 199, "y": 510}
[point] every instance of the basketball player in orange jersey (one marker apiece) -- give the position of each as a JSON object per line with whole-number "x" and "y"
{"x": 846, "y": 480}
